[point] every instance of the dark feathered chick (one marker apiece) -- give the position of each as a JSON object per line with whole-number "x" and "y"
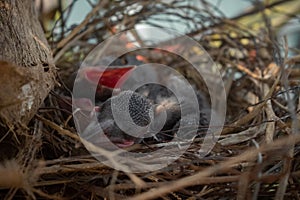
{"x": 131, "y": 110}
{"x": 148, "y": 106}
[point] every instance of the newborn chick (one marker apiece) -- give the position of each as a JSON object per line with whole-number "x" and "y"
{"x": 151, "y": 102}
{"x": 143, "y": 113}
{"x": 140, "y": 115}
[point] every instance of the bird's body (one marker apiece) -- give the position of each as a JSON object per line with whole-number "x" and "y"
{"x": 118, "y": 120}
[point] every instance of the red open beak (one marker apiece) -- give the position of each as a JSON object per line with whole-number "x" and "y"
{"x": 110, "y": 77}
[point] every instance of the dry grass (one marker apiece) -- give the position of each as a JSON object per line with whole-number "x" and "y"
{"x": 257, "y": 155}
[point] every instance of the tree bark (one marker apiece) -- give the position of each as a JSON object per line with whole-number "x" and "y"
{"x": 27, "y": 70}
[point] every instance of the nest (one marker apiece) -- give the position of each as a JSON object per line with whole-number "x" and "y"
{"x": 256, "y": 156}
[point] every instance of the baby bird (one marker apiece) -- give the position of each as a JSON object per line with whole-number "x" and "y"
{"x": 143, "y": 116}
{"x": 123, "y": 119}
{"x": 132, "y": 116}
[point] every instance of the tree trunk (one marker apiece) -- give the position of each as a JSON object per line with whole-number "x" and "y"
{"x": 27, "y": 70}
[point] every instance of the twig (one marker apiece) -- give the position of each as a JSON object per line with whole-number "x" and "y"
{"x": 193, "y": 180}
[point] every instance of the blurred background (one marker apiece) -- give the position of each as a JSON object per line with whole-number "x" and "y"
{"x": 283, "y": 15}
